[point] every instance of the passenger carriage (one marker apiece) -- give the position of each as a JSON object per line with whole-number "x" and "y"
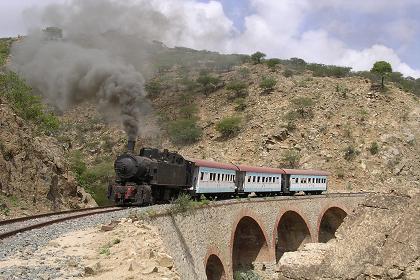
{"x": 214, "y": 178}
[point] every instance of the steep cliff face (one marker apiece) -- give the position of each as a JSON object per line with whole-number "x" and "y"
{"x": 33, "y": 173}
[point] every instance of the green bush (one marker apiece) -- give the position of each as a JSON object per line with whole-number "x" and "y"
{"x": 184, "y": 131}
{"x": 272, "y": 63}
{"x": 288, "y": 73}
{"x": 208, "y": 83}
{"x": 188, "y": 111}
{"x": 182, "y": 204}
{"x": 246, "y": 275}
{"x": 244, "y": 73}
{"x": 4, "y": 50}
{"x": 374, "y": 148}
{"x": 239, "y": 88}
{"x": 26, "y": 105}
{"x": 291, "y": 159}
{"x": 229, "y": 126}
{"x": 350, "y": 153}
{"x": 268, "y": 84}
{"x": 153, "y": 88}
{"x": 240, "y": 104}
{"x": 303, "y": 106}
{"x": 94, "y": 179}
{"x": 190, "y": 85}
{"x": 343, "y": 90}
{"x": 321, "y": 70}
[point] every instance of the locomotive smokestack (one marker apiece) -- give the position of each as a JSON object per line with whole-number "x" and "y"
{"x": 130, "y": 145}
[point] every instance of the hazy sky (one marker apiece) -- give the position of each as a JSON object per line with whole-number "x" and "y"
{"x": 354, "y": 33}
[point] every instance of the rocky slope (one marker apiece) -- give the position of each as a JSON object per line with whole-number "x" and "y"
{"x": 124, "y": 249}
{"x": 379, "y": 241}
{"x": 33, "y": 172}
{"x": 366, "y": 139}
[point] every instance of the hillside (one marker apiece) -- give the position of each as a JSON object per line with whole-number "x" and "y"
{"x": 311, "y": 116}
{"x": 367, "y": 139}
{"x": 34, "y": 175}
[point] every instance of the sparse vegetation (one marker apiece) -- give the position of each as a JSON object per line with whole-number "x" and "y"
{"x": 25, "y": 104}
{"x": 257, "y": 57}
{"x": 288, "y": 73}
{"x": 321, "y": 70}
{"x": 272, "y": 63}
{"x": 240, "y": 104}
{"x": 246, "y": 275}
{"x": 95, "y": 178}
{"x": 208, "y": 83}
{"x": 268, "y": 84}
{"x": 229, "y": 126}
{"x": 184, "y": 131}
{"x": 350, "y": 153}
{"x": 238, "y": 88}
{"x": 374, "y": 148}
{"x": 303, "y": 106}
{"x": 291, "y": 159}
{"x": 153, "y": 88}
{"x": 342, "y": 89}
{"x": 4, "y": 49}
{"x": 244, "y": 73}
{"x": 189, "y": 111}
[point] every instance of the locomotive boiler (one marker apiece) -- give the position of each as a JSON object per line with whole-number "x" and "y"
{"x": 149, "y": 177}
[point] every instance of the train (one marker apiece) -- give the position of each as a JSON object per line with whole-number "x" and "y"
{"x": 158, "y": 176}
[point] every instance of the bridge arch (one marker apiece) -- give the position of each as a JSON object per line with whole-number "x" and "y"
{"x": 291, "y": 231}
{"x": 249, "y": 242}
{"x": 329, "y": 221}
{"x": 215, "y": 270}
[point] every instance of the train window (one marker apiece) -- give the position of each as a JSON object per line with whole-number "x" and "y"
{"x": 258, "y": 179}
{"x": 249, "y": 179}
{"x": 263, "y": 179}
{"x": 310, "y": 180}
{"x": 202, "y": 176}
{"x": 218, "y": 176}
{"x": 223, "y": 177}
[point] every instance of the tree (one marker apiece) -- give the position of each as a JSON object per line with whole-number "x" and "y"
{"x": 257, "y": 57}
{"x": 381, "y": 68}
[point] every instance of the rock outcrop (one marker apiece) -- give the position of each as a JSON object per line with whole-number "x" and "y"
{"x": 379, "y": 241}
{"x": 33, "y": 172}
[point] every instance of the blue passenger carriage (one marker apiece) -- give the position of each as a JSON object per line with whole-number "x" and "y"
{"x": 260, "y": 180}
{"x": 308, "y": 181}
{"x": 213, "y": 178}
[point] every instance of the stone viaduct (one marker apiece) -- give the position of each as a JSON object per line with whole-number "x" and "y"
{"x": 212, "y": 242}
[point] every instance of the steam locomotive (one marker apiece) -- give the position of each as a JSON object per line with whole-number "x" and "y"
{"x": 159, "y": 176}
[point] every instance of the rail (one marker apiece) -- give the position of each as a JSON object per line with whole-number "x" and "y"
{"x": 68, "y": 216}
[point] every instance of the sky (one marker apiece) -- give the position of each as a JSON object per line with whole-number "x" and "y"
{"x": 349, "y": 33}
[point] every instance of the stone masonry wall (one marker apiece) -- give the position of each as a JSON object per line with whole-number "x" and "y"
{"x": 192, "y": 237}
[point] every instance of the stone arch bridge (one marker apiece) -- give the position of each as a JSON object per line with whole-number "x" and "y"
{"x": 212, "y": 242}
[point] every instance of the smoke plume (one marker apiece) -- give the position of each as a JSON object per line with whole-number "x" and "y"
{"x": 107, "y": 48}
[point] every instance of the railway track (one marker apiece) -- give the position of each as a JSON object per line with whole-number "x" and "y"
{"x": 12, "y": 227}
